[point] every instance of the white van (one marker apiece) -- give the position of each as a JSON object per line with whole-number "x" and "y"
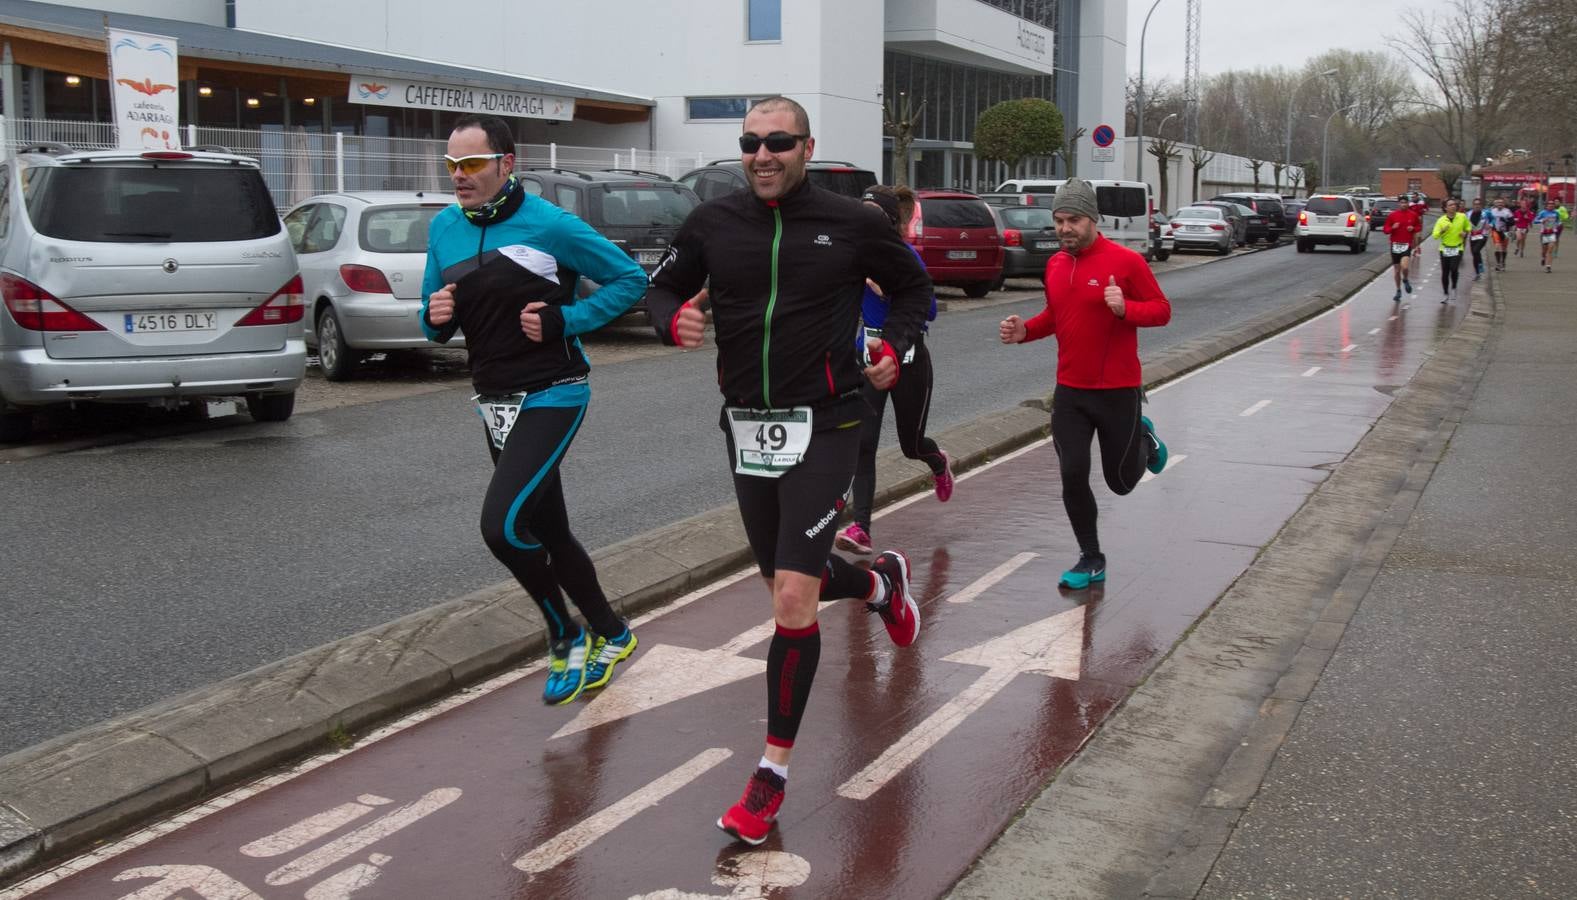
{"x": 1124, "y": 206}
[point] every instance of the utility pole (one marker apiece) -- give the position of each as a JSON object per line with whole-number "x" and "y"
{"x": 1191, "y": 87}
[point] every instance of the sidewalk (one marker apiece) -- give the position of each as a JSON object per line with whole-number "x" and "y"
{"x": 1402, "y": 733}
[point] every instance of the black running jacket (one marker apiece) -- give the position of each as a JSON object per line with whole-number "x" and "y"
{"x": 786, "y": 283}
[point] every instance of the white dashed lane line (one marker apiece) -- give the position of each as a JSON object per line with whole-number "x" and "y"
{"x": 1310, "y": 371}
{"x": 1255, "y": 408}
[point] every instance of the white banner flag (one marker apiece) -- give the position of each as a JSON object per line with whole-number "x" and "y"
{"x": 145, "y": 89}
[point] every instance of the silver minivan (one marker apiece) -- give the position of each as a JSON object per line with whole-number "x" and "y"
{"x": 155, "y": 277}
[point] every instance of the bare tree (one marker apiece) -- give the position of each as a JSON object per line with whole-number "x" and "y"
{"x": 1199, "y": 157}
{"x": 1254, "y": 165}
{"x": 899, "y": 121}
{"x": 1276, "y": 168}
{"x": 1164, "y": 152}
{"x": 1470, "y": 63}
{"x": 1070, "y": 151}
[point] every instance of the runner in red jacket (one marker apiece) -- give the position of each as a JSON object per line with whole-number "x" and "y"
{"x": 1098, "y": 295}
{"x": 1402, "y": 226}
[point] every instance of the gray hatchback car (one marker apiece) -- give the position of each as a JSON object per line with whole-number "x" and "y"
{"x": 362, "y": 255}
{"x": 146, "y": 277}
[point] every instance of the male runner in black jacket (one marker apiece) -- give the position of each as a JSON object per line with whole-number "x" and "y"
{"x": 787, "y": 263}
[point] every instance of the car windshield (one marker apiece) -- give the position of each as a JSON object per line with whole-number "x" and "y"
{"x": 848, "y": 182}
{"x": 645, "y": 205}
{"x": 1329, "y": 206}
{"x": 397, "y": 229}
{"x": 1023, "y": 217}
{"x": 1198, "y": 212}
{"x": 164, "y": 203}
{"x": 948, "y": 212}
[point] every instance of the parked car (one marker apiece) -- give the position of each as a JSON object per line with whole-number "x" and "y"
{"x": 1332, "y": 219}
{"x": 149, "y": 277}
{"x": 1267, "y": 205}
{"x": 1029, "y": 239}
{"x": 640, "y": 212}
{"x": 1203, "y": 226}
{"x": 958, "y": 240}
{"x": 1380, "y": 210}
{"x": 1234, "y": 214}
{"x": 1124, "y": 206}
{"x": 1289, "y": 214}
{"x": 724, "y": 176}
{"x": 362, "y": 256}
{"x": 1161, "y": 239}
{"x": 1256, "y": 227}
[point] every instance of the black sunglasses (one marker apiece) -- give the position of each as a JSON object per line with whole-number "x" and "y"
{"x": 777, "y": 142}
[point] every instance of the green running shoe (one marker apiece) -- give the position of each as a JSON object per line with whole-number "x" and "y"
{"x": 605, "y": 654}
{"x": 1155, "y": 461}
{"x": 566, "y": 669}
{"x": 1089, "y": 570}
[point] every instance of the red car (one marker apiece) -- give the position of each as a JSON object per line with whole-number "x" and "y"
{"x": 958, "y": 240}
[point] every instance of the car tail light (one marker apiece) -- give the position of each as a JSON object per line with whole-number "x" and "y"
{"x": 364, "y": 279}
{"x": 1303, "y": 218}
{"x": 286, "y": 306}
{"x": 1218, "y": 227}
{"x": 917, "y": 223}
{"x": 37, "y": 310}
{"x": 1012, "y": 237}
{"x": 1352, "y": 219}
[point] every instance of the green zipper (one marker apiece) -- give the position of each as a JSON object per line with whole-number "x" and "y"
{"x": 772, "y": 300}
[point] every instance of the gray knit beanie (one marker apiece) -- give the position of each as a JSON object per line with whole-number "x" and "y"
{"x": 1076, "y": 196}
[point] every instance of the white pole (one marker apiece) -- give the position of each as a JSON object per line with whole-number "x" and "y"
{"x": 553, "y": 156}
{"x": 632, "y": 159}
{"x": 191, "y": 134}
{"x": 339, "y": 161}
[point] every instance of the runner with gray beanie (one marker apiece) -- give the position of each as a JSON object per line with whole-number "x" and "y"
{"x": 1098, "y": 295}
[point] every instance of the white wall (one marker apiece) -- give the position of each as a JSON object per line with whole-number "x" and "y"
{"x": 969, "y": 32}
{"x": 203, "y": 12}
{"x": 829, "y": 59}
{"x": 1223, "y": 174}
{"x": 1103, "y": 65}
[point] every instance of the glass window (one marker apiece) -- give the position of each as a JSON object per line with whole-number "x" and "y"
{"x": 765, "y": 20}
{"x": 531, "y": 185}
{"x": 717, "y": 107}
{"x": 644, "y": 206}
{"x": 296, "y": 224}
{"x": 1329, "y": 206}
{"x": 568, "y": 198}
{"x": 131, "y": 204}
{"x": 1198, "y": 212}
{"x": 1025, "y": 217}
{"x": 397, "y": 229}
{"x": 324, "y": 231}
{"x": 1120, "y": 202}
{"x": 946, "y": 212}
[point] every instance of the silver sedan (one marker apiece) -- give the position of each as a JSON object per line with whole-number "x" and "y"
{"x": 1202, "y": 227}
{"x": 362, "y": 255}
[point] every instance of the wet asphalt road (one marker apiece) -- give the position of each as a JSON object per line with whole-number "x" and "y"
{"x": 135, "y": 571}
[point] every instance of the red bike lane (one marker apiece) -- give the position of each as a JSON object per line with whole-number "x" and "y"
{"x": 909, "y": 762}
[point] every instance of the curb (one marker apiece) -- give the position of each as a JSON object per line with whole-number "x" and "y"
{"x": 59, "y": 796}
{"x": 1155, "y": 795}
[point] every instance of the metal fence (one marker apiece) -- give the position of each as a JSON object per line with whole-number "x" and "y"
{"x": 297, "y": 163}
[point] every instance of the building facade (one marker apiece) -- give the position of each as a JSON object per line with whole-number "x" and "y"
{"x": 672, "y": 78}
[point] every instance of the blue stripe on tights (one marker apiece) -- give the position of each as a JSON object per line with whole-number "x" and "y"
{"x": 520, "y": 499}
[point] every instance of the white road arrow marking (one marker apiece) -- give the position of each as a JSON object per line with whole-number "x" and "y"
{"x": 310, "y": 829}
{"x": 1053, "y": 647}
{"x": 1171, "y": 462}
{"x": 753, "y": 876}
{"x": 176, "y": 881}
{"x": 989, "y": 580}
{"x": 333, "y": 852}
{"x": 579, "y": 837}
{"x": 666, "y": 673}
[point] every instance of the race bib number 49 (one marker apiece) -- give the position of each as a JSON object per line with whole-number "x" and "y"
{"x": 769, "y": 442}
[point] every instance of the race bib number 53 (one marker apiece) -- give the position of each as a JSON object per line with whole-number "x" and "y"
{"x": 769, "y": 442}
{"x": 499, "y": 417}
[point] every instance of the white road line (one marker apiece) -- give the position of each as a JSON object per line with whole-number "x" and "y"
{"x": 1254, "y": 409}
{"x": 1393, "y": 318}
{"x": 362, "y": 838}
{"x": 990, "y": 579}
{"x": 916, "y": 498}
{"x": 1349, "y": 348}
{"x": 1171, "y": 461}
{"x": 310, "y": 829}
{"x": 1376, "y": 330}
{"x": 578, "y": 837}
{"x": 1310, "y": 371}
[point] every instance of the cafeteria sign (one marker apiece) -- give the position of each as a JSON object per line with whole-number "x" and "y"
{"x": 459, "y": 98}
{"x": 145, "y": 91}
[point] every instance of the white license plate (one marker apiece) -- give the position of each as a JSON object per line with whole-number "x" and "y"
{"x": 1045, "y": 245}
{"x": 648, "y": 257}
{"x": 156, "y": 323}
{"x": 960, "y": 254}
{"x": 1325, "y": 220}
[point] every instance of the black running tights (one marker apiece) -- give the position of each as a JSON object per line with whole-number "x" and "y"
{"x": 1079, "y": 415}
{"x": 1450, "y": 268}
{"x": 911, "y": 398}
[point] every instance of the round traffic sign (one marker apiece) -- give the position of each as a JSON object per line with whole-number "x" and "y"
{"x": 1103, "y": 135}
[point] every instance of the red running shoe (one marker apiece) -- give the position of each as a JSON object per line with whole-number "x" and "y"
{"x": 944, "y": 481}
{"x": 899, "y": 613}
{"x": 756, "y": 812}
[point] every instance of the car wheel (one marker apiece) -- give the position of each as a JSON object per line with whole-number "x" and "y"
{"x": 977, "y": 289}
{"x": 1356, "y": 247}
{"x": 1223, "y": 250}
{"x": 1303, "y": 246}
{"x": 334, "y": 355}
{"x": 1162, "y": 255}
{"x": 271, "y": 407}
{"x": 16, "y": 425}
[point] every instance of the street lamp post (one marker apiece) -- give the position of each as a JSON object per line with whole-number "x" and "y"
{"x": 1139, "y": 96}
{"x": 1293, "y": 101}
{"x": 1571, "y": 179}
{"x": 1325, "y": 144}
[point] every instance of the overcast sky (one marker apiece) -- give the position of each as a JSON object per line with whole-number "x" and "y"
{"x": 1251, "y": 34}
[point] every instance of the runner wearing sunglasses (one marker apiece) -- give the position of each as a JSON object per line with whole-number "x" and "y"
{"x": 787, "y": 263}
{"x": 502, "y": 265}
